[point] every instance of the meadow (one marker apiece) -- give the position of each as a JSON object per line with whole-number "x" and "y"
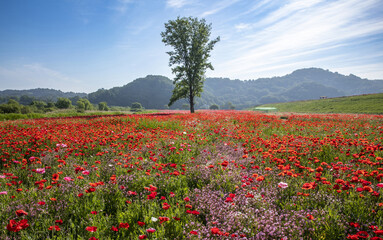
{"x": 209, "y": 175}
{"x": 360, "y": 104}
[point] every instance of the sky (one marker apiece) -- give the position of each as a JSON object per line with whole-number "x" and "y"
{"x": 85, "y": 45}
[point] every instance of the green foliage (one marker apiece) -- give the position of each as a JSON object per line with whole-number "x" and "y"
{"x": 214, "y": 107}
{"x": 189, "y": 38}
{"x": 83, "y": 104}
{"x": 103, "y": 106}
{"x": 63, "y": 103}
{"x": 11, "y": 107}
{"x": 371, "y": 104}
{"x": 136, "y": 106}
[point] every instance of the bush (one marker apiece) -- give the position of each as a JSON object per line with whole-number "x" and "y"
{"x": 63, "y": 103}
{"x": 136, "y": 106}
{"x": 214, "y": 107}
{"x": 103, "y": 106}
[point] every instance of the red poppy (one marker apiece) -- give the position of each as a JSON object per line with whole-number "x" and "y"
{"x": 20, "y": 213}
{"x": 55, "y": 227}
{"x": 113, "y": 228}
{"x": 124, "y": 225}
{"x": 91, "y": 229}
{"x": 142, "y": 237}
{"x": 14, "y": 226}
{"x": 194, "y": 232}
{"x": 90, "y": 190}
{"x": 215, "y": 230}
{"x": 141, "y": 223}
{"x": 163, "y": 219}
{"x": 362, "y": 234}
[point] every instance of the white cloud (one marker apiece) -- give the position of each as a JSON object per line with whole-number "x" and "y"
{"x": 242, "y": 26}
{"x": 219, "y": 7}
{"x": 176, "y": 3}
{"x": 299, "y": 33}
{"x": 122, "y": 6}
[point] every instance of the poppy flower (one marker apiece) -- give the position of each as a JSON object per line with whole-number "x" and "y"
{"x": 15, "y": 226}
{"x": 55, "y": 227}
{"x": 362, "y": 234}
{"x": 113, "y": 228}
{"x": 142, "y": 237}
{"x": 20, "y": 213}
{"x": 194, "y": 232}
{"x": 91, "y": 229}
{"x": 150, "y": 230}
{"x": 215, "y": 230}
{"x": 282, "y": 185}
{"x": 89, "y": 190}
{"x": 124, "y": 225}
{"x": 163, "y": 219}
{"x": 40, "y": 170}
{"x": 307, "y": 186}
{"x": 141, "y": 223}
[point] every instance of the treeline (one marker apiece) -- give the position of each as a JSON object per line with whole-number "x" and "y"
{"x": 38, "y": 106}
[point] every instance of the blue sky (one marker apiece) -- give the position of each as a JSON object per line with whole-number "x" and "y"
{"x": 84, "y": 45}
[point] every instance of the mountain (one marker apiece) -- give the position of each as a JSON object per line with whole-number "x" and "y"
{"x": 44, "y": 94}
{"x": 303, "y": 84}
{"x": 154, "y": 91}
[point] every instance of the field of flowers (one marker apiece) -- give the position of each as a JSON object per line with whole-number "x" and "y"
{"x": 209, "y": 175}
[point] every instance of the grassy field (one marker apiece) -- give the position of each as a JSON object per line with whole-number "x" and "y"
{"x": 371, "y": 104}
{"x": 66, "y": 113}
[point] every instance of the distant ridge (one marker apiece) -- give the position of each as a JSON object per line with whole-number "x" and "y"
{"x": 154, "y": 91}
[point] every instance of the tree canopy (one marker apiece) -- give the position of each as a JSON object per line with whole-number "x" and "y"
{"x": 189, "y": 38}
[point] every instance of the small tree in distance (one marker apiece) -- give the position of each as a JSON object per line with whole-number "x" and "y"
{"x": 214, "y": 107}
{"x": 189, "y": 38}
{"x": 136, "y": 106}
{"x": 103, "y": 106}
{"x": 63, "y": 103}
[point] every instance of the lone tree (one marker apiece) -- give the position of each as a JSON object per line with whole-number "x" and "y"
{"x": 189, "y": 38}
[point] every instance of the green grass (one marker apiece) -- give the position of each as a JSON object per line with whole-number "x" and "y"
{"x": 369, "y": 104}
{"x": 65, "y": 113}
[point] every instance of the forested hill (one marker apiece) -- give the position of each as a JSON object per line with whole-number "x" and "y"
{"x": 154, "y": 92}
{"x": 44, "y": 94}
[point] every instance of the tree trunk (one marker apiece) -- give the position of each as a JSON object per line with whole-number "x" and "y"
{"x": 191, "y": 104}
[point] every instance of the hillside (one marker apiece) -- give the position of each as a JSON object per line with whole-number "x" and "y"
{"x": 371, "y": 104}
{"x": 154, "y": 91}
{"x": 44, "y": 94}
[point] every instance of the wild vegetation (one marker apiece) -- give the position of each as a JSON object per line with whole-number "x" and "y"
{"x": 209, "y": 175}
{"x": 370, "y": 104}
